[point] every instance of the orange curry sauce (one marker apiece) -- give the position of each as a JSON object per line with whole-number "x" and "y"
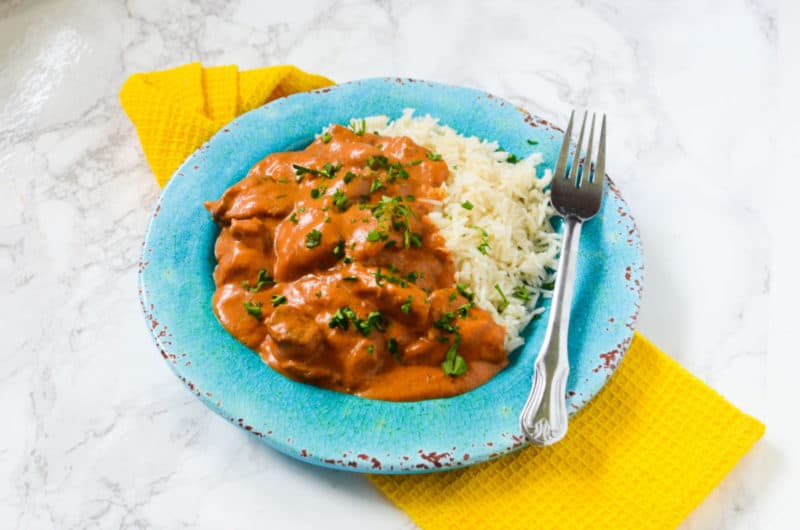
{"x": 329, "y": 267}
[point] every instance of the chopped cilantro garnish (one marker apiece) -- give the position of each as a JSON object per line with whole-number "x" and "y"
{"x": 512, "y": 159}
{"x": 301, "y": 171}
{"x": 406, "y": 307}
{"x": 377, "y": 162}
{"x": 412, "y": 276}
{"x": 484, "y": 246}
{"x": 393, "y": 212}
{"x": 410, "y": 198}
{"x": 371, "y": 349}
{"x": 454, "y": 364}
{"x": 349, "y": 313}
{"x": 445, "y": 322}
{"x": 533, "y": 142}
{"x": 463, "y": 310}
{"x": 392, "y": 346}
{"x": 326, "y": 137}
{"x": 396, "y": 171}
{"x": 549, "y": 286}
{"x": 349, "y": 176}
{"x": 350, "y": 278}
{"x": 376, "y": 235}
{"x": 338, "y": 249}
{"x": 253, "y": 309}
{"x": 313, "y": 238}
{"x": 467, "y": 205}
{"x": 263, "y": 279}
{"x": 376, "y": 185}
{"x": 452, "y": 296}
{"x": 327, "y": 171}
{"x": 293, "y": 217}
{"x": 316, "y": 193}
{"x": 361, "y": 129}
{"x": 462, "y": 290}
{"x": 278, "y": 299}
{"x": 338, "y": 320}
{"x": 348, "y": 260}
{"x": 521, "y": 292}
{"x": 391, "y": 278}
{"x": 415, "y": 162}
{"x": 504, "y": 304}
{"x": 340, "y": 200}
{"x": 433, "y": 156}
{"x": 375, "y": 320}
{"x": 344, "y": 316}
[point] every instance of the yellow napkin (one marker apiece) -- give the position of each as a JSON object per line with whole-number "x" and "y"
{"x": 641, "y": 455}
{"x": 176, "y": 110}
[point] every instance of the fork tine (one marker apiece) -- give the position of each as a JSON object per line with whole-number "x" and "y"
{"x": 561, "y": 166}
{"x": 600, "y": 166}
{"x": 573, "y": 172}
{"x": 587, "y": 160}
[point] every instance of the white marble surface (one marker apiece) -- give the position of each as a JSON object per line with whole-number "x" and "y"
{"x": 97, "y": 433}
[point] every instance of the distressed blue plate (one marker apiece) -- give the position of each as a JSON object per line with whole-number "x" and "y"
{"x": 340, "y": 430}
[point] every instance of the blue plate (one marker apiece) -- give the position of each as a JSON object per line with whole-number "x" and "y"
{"x": 340, "y": 430}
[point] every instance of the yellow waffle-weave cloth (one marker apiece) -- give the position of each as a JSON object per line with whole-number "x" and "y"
{"x": 176, "y": 110}
{"x": 642, "y": 455}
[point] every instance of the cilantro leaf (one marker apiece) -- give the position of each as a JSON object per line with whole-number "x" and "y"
{"x": 278, "y": 299}
{"x": 253, "y": 309}
{"x": 313, "y": 238}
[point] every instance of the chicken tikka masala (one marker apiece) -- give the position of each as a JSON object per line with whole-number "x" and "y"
{"x": 328, "y": 267}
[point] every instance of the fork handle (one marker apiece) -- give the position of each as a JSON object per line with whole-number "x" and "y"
{"x": 544, "y": 417}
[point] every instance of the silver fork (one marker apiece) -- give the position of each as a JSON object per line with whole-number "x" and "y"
{"x": 576, "y": 196}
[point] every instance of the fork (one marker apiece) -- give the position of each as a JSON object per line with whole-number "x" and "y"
{"x": 576, "y": 196}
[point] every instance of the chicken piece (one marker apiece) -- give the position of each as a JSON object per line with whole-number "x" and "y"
{"x": 296, "y": 336}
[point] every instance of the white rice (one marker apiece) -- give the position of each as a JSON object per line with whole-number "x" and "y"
{"x": 509, "y": 203}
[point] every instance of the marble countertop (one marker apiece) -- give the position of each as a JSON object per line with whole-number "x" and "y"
{"x": 97, "y": 432}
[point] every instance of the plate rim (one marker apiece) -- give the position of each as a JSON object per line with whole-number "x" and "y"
{"x": 514, "y": 441}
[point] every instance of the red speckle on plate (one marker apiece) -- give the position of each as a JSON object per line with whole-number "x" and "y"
{"x": 434, "y": 458}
